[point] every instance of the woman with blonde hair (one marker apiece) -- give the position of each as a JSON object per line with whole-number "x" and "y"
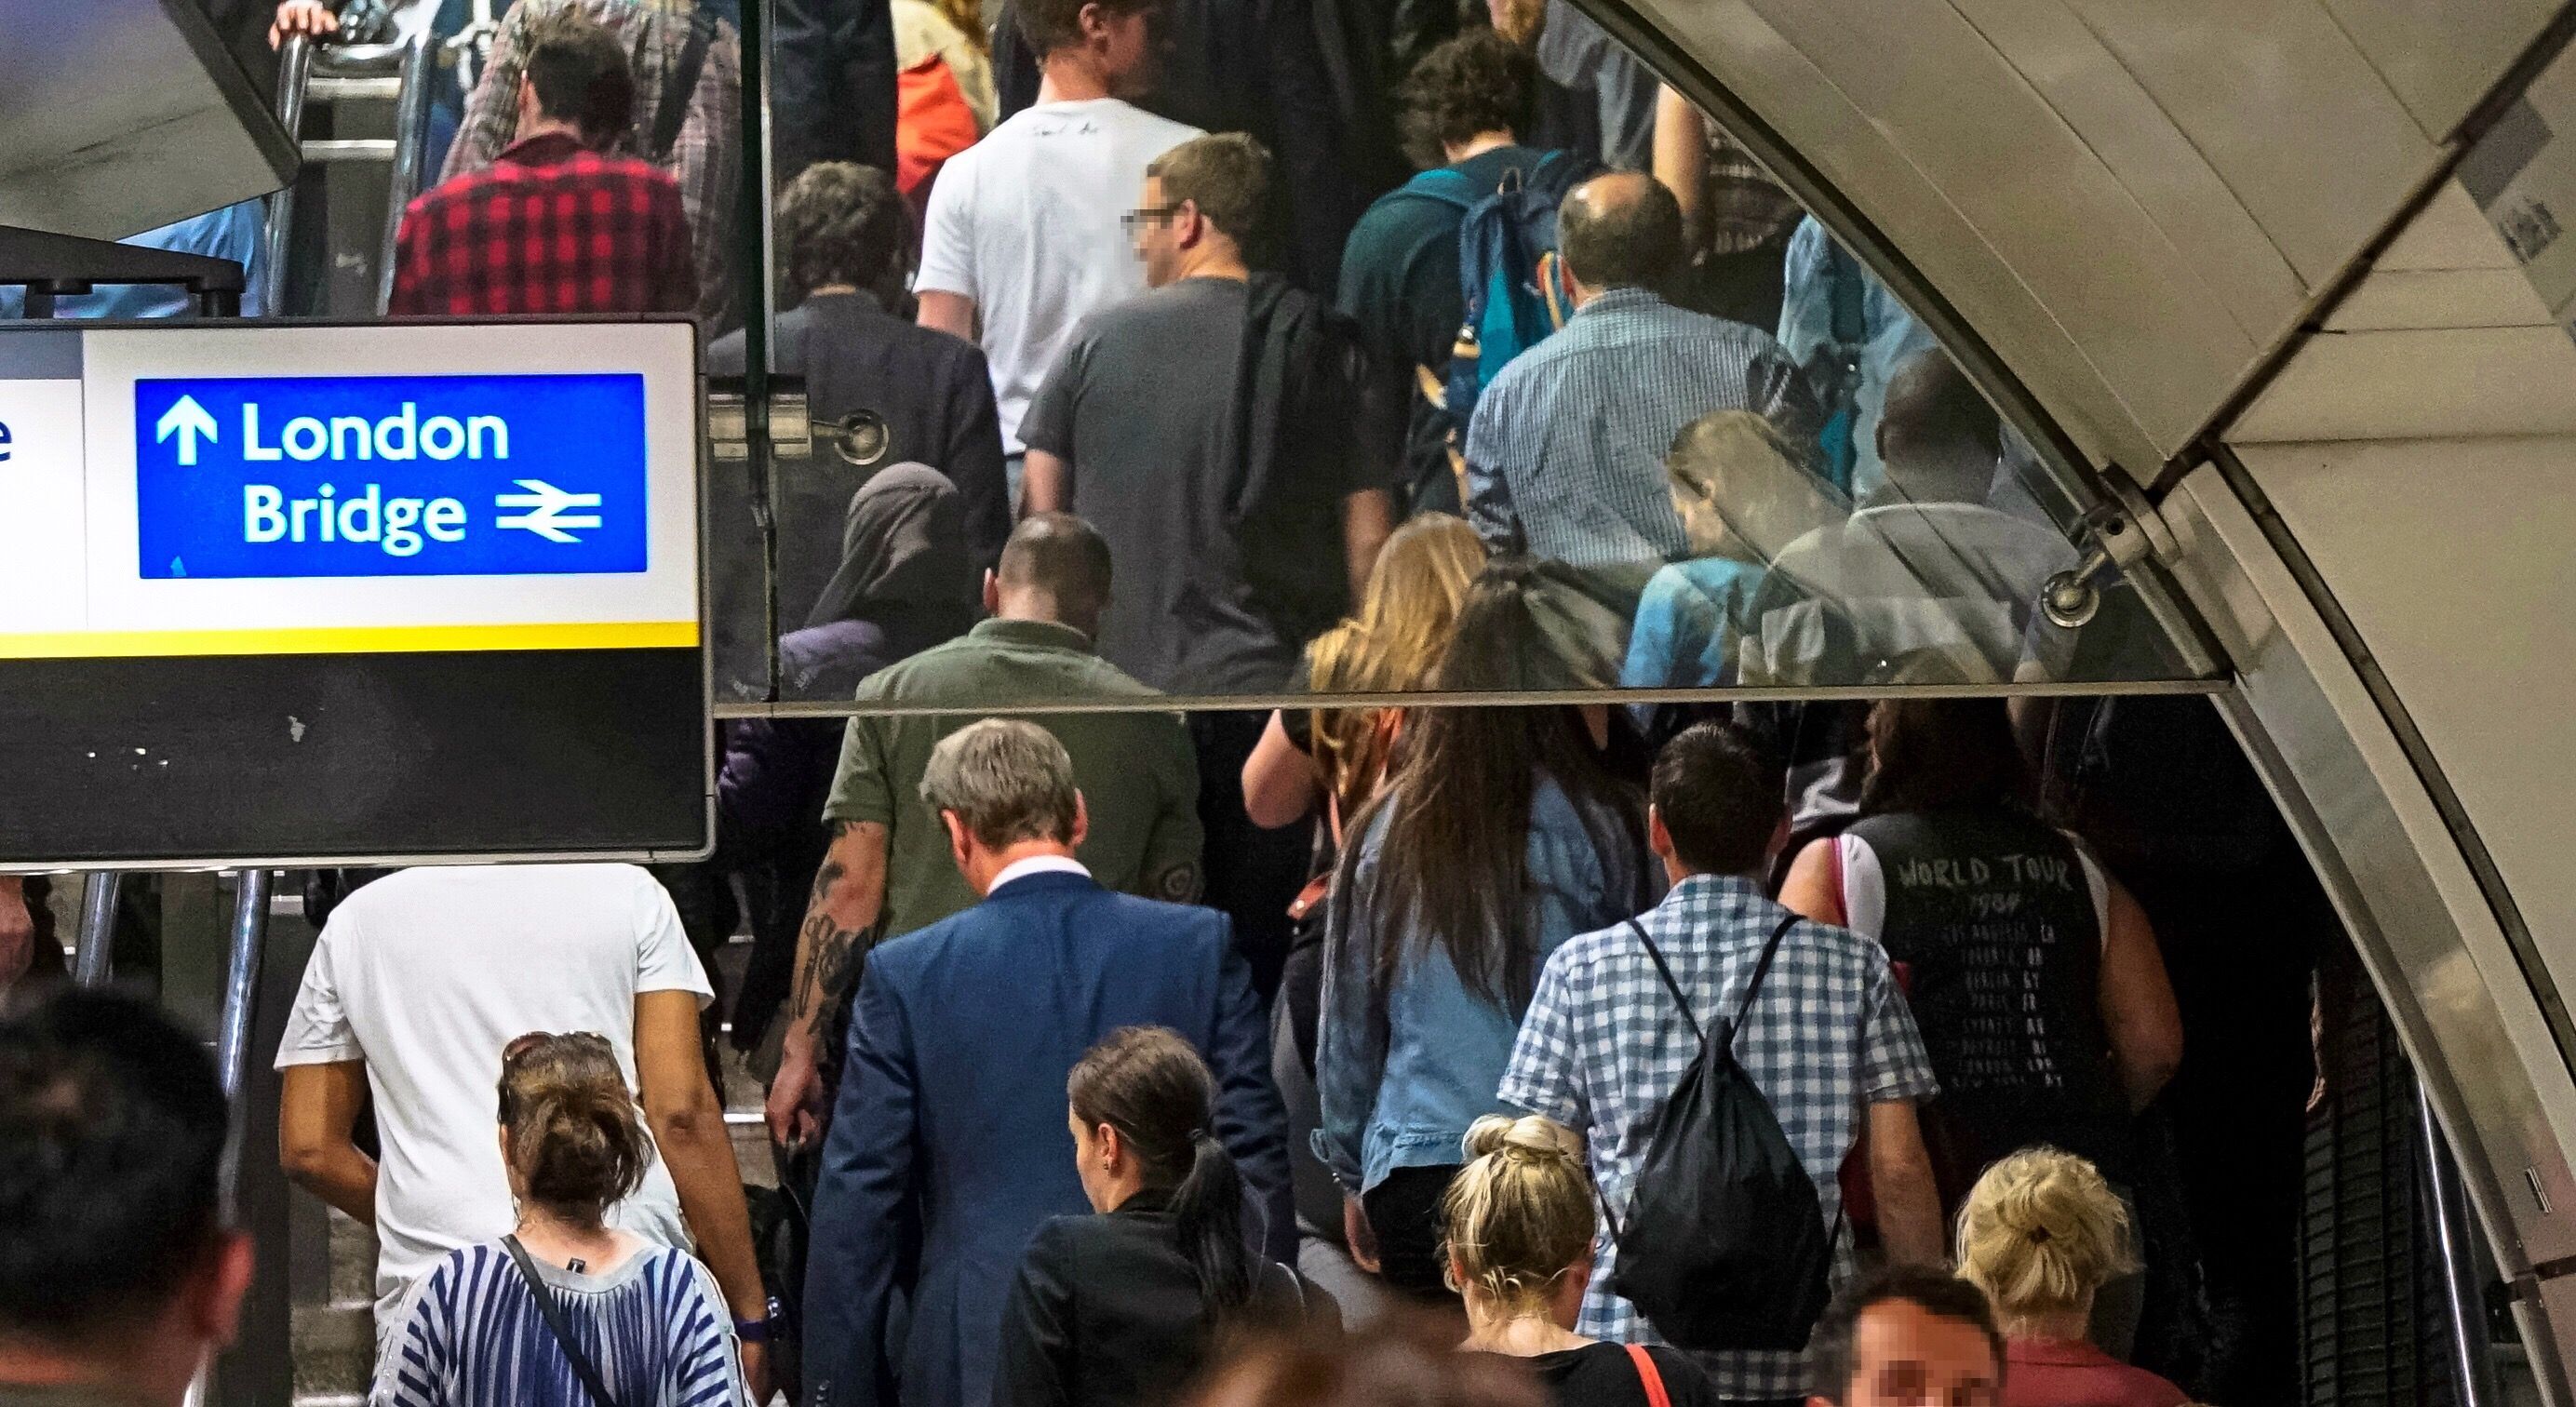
{"x": 2041, "y": 1233}
{"x": 1519, "y": 1229}
{"x": 566, "y": 1310}
{"x": 1743, "y": 494}
{"x": 1395, "y": 641}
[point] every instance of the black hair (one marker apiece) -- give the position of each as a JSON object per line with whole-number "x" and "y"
{"x": 1941, "y": 755}
{"x": 1830, "y": 1350}
{"x": 839, "y": 222}
{"x": 1623, "y": 230}
{"x": 1720, "y": 797}
{"x": 581, "y": 76}
{"x": 1933, "y": 409}
{"x": 1149, "y": 1084}
{"x": 111, "y": 1147}
{"x": 1476, "y": 83}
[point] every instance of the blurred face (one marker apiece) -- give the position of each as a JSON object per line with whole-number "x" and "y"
{"x": 1154, "y": 228}
{"x": 1906, "y": 1356}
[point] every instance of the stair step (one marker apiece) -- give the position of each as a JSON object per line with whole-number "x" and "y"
{"x": 335, "y": 1350}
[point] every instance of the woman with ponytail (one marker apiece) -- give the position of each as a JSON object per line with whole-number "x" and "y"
{"x": 2041, "y": 1233}
{"x": 623, "y": 1322}
{"x": 1122, "y": 1308}
{"x": 1517, "y": 1223}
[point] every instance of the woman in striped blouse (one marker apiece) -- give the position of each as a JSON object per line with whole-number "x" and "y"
{"x": 637, "y": 1324}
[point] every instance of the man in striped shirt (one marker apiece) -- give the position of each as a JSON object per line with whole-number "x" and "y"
{"x": 1565, "y": 457}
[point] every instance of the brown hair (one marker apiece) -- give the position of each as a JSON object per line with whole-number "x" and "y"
{"x": 1519, "y": 1215}
{"x": 1742, "y": 491}
{"x": 839, "y": 222}
{"x": 581, "y": 76}
{"x": 1402, "y": 1361}
{"x": 576, "y": 1141}
{"x": 1050, "y": 25}
{"x": 1150, "y": 1085}
{"x": 2040, "y": 1232}
{"x": 1941, "y": 755}
{"x": 1226, "y": 175}
{"x": 1476, "y": 83}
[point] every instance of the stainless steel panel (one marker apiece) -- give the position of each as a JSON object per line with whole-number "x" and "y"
{"x": 2282, "y": 105}
{"x": 2415, "y": 385}
{"x": 2486, "y": 1051}
{"x": 2441, "y": 56}
{"x": 2399, "y": 300}
{"x": 2137, "y": 307}
{"x": 2477, "y": 642}
{"x": 2450, "y": 232}
{"x": 2172, "y": 181}
{"x": 118, "y": 116}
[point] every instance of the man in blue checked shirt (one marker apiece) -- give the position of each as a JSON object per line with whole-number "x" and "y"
{"x": 1828, "y": 1041}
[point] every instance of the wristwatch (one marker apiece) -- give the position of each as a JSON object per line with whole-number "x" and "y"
{"x": 759, "y": 1330}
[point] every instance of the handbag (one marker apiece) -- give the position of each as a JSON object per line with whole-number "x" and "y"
{"x": 582, "y": 1367}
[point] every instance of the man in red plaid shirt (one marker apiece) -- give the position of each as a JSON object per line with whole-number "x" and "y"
{"x": 555, "y": 224}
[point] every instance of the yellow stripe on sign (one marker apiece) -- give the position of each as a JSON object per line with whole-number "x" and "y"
{"x": 352, "y": 640}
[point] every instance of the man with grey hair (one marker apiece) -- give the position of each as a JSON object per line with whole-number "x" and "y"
{"x": 949, "y": 1145}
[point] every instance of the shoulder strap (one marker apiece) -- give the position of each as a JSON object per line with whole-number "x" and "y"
{"x": 581, "y": 1365}
{"x": 1649, "y": 1376}
{"x": 1761, "y": 970}
{"x": 1665, "y": 971}
{"x": 1842, "y": 895}
{"x": 673, "y": 112}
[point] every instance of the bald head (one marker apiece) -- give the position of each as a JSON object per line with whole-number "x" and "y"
{"x": 1623, "y": 230}
{"x": 1055, "y": 567}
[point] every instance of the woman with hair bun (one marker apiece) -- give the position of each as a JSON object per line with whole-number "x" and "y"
{"x": 633, "y": 1324}
{"x": 1121, "y": 1309}
{"x": 2041, "y": 1233}
{"x": 1519, "y": 1230}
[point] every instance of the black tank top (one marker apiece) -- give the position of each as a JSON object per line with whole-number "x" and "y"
{"x": 1990, "y": 920}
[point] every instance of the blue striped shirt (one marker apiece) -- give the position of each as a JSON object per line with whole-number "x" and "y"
{"x": 1565, "y": 457}
{"x": 471, "y": 1335}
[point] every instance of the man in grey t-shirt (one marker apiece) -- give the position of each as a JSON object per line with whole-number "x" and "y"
{"x": 1209, "y": 429}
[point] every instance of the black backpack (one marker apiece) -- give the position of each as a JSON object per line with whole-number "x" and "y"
{"x": 1725, "y": 1247}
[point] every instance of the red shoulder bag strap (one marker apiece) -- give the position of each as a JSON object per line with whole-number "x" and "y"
{"x": 1842, "y": 907}
{"x": 1649, "y": 1376}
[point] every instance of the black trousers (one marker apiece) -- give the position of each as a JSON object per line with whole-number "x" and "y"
{"x": 1404, "y": 1212}
{"x": 1252, "y": 874}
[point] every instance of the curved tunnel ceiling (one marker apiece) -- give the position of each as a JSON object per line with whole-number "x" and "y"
{"x": 2253, "y": 253}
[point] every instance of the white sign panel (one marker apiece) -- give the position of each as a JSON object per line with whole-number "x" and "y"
{"x": 273, "y": 489}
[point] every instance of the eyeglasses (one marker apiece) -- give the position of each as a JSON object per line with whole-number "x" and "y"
{"x": 1137, "y": 219}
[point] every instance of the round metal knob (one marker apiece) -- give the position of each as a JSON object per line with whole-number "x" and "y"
{"x": 2069, "y": 600}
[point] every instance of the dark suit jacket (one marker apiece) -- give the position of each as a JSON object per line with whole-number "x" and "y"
{"x": 948, "y": 1146}
{"x": 1107, "y": 1312}
{"x": 936, "y": 395}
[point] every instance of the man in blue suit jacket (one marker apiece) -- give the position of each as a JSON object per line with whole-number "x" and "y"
{"x": 950, "y": 1144}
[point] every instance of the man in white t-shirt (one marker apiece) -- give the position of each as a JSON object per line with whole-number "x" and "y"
{"x": 1025, "y": 234}
{"x": 418, "y": 982}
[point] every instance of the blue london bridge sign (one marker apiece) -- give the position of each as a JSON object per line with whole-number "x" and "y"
{"x": 369, "y": 476}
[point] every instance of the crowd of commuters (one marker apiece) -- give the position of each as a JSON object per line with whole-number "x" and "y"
{"x": 1102, "y": 1040}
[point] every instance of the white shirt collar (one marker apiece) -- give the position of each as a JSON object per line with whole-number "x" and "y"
{"x": 1036, "y": 864}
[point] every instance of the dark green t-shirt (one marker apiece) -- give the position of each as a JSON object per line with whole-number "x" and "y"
{"x": 1138, "y": 775}
{"x": 1400, "y": 283}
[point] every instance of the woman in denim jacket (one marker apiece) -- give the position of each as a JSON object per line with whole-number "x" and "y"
{"x": 1501, "y": 835}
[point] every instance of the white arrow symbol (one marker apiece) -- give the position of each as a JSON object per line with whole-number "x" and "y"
{"x": 188, "y": 420}
{"x": 546, "y": 518}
